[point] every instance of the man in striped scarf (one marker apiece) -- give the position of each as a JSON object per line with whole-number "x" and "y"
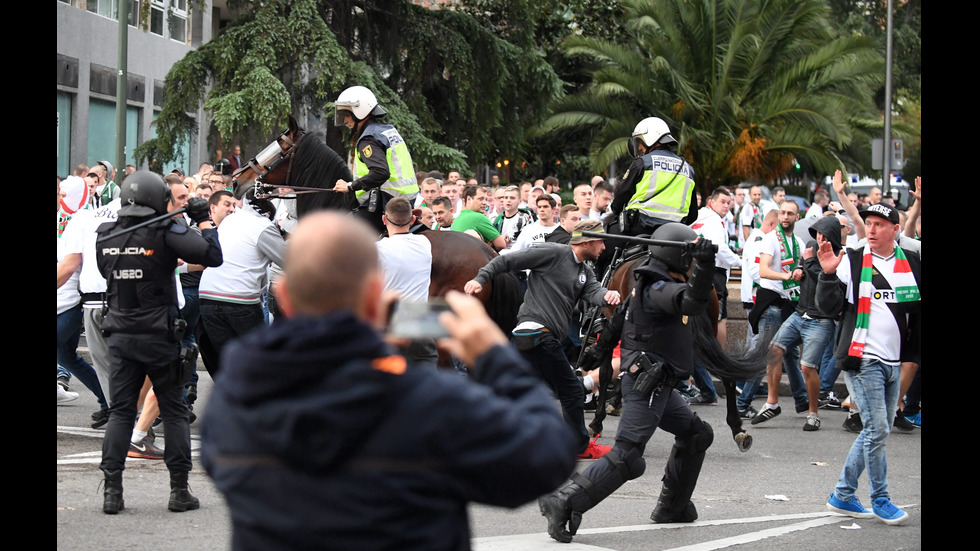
{"x": 878, "y": 288}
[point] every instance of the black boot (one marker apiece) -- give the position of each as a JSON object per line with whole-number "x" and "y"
{"x": 180, "y": 496}
{"x": 113, "y": 500}
{"x": 668, "y": 511}
{"x": 558, "y": 511}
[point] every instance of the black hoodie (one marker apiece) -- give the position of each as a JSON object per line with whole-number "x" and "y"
{"x": 318, "y": 438}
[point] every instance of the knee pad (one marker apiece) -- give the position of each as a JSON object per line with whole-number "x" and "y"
{"x": 628, "y": 461}
{"x": 703, "y": 439}
{"x": 698, "y": 441}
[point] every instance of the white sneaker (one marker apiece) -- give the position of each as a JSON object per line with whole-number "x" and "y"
{"x": 65, "y": 395}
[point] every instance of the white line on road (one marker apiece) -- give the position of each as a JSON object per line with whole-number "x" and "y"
{"x": 531, "y": 542}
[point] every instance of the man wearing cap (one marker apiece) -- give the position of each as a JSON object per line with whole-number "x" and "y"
{"x": 559, "y": 277}
{"x": 107, "y": 190}
{"x": 878, "y": 286}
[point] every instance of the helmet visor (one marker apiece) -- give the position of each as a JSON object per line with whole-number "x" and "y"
{"x": 343, "y": 110}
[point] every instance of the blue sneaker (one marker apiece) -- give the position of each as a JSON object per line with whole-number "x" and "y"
{"x": 915, "y": 419}
{"x": 851, "y": 507}
{"x": 888, "y": 512}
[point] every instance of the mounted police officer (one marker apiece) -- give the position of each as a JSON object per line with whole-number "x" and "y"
{"x": 657, "y": 351}
{"x": 658, "y": 187}
{"x": 382, "y": 165}
{"x": 142, "y": 324}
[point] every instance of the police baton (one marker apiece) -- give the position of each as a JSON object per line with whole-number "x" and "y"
{"x": 642, "y": 240}
{"x": 145, "y": 223}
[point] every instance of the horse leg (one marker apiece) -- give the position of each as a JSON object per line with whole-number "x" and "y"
{"x": 742, "y": 438}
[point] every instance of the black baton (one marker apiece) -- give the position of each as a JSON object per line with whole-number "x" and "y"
{"x": 641, "y": 240}
{"x": 181, "y": 210}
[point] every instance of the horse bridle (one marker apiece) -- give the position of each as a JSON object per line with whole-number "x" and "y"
{"x": 282, "y": 149}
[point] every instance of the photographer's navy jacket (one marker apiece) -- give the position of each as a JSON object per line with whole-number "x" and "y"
{"x": 319, "y": 438}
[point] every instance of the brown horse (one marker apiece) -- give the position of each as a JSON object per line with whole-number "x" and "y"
{"x": 304, "y": 164}
{"x": 707, "y": 350}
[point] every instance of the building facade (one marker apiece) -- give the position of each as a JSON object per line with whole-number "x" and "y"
{"x": 87, "y": 49}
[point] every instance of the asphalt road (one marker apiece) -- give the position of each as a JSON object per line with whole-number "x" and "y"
{"x": 769, "y": 498}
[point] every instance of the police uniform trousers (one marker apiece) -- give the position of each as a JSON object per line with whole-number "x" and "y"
{"x": 139, "y": 356}
{"x": 640, "y": 417}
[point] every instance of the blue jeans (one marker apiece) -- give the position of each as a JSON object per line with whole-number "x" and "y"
{"x": 69, "y": 331}
{"x": 769, "y": 321}
{"x": 815, "y": 334}
{"x": 702, "y": 379}
{"x": 828, "y": 364}
{"x": 875, "y": 389}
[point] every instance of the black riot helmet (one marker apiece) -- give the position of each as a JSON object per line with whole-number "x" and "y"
{"x": 677, "y": 259}
{"x": 144, "y": 193}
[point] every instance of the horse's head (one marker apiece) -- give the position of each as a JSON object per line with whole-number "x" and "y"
{"x": 272, "y": 164}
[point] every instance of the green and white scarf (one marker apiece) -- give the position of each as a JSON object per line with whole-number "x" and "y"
{"x": 790, "y": 258}
{"x": 902, "y": 282}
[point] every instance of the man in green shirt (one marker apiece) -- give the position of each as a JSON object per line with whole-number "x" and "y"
{"x": 471, "y": 217}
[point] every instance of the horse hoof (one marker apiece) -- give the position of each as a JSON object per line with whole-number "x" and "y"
{"x": 744, "y": 441}
{"x": 591, "y": 432}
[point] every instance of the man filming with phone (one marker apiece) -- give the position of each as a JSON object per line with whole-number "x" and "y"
{"x": 319, "y": 432}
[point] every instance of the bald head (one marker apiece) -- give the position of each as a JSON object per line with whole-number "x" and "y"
{"x": 331, "y": 264}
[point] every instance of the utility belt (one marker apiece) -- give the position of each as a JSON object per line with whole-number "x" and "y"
{"x": 526, "y": 339}
{"x": 648, "y": 375}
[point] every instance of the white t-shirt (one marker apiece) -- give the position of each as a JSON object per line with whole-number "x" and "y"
{"x": 72, "y": 241}
{"x": 750, "y": 265}
{"x": 710, "y": 226}
{"x": 884, "y": 338}
{"x": 815, "y": 211}
{"x": 406, "y": 262}
{"x": 531, "y": 234}
{"x": 771, "y": 244}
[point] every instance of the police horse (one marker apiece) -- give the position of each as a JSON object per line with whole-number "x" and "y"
{"x": 632, "y": 252}
{"x": 303, "y": 163}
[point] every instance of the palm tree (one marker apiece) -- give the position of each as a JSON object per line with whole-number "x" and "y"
{"x": 746, "y": 85}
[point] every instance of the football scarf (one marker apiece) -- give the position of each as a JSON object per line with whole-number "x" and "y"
{"x": 902, "y": 282}
{"x": 790, "y": 258}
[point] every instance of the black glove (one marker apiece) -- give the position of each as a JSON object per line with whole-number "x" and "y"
{"x": 198, "y": 209}
{"x": 703, "y": 250}
{"x": 591, "y": 358}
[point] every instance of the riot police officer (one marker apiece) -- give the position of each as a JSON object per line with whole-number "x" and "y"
{"x": 382, "y": 164}
{"x": 657, "y": 351}
{"x": 142, "y": 325}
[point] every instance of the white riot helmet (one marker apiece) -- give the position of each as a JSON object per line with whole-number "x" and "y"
{"x": 359, "y": 102}
{"x": 651, "y": 131}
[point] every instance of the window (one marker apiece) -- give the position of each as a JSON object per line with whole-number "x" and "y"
{"x": 105, "y": 8}
{"x": 157, "y": 8}
{"x": 178, "y": 20}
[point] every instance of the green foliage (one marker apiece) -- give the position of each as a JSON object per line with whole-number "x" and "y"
{"x": 731, "y": 78}
{"x": 461, "y": 85}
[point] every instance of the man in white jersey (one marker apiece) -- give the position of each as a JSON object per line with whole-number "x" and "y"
{"x": 780, "y": 270}
{"x": 878, "y": 288}
{"x": 536, "y": 232}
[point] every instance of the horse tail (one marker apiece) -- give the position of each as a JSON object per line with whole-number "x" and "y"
{"x": 506, "y": 296}
{"x": 743, "y": 364}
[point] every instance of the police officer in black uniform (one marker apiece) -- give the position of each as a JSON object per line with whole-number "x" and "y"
{"x": 143, "y": 327}
{"x": 657, "y": 351}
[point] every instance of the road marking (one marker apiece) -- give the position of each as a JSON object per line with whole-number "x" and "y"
{"x": 531, "y": 542}
{"x": 95, "y": 457}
